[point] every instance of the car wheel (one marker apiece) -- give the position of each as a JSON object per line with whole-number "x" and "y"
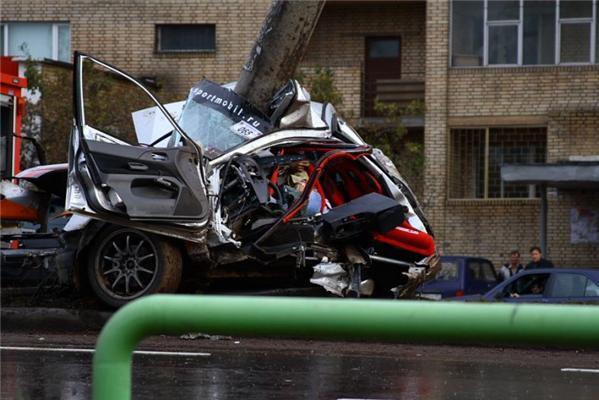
{"x": 127, "y": 264}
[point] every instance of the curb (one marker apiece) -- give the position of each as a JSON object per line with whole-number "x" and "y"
{"x": 60, "y": 320}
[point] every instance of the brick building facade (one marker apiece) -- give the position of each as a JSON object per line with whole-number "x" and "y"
{"x": 562, "y": 100}
{"x": 476, "y": 112}
{"x": 123, "y": 33}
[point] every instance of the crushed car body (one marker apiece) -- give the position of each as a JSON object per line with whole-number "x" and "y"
{"x": 32, "y": 225}
{"x": 223, "y": 189}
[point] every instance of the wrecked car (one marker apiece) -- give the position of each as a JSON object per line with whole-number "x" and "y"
{"x": 31, "y": 224}
{"x": 212, "y": 187}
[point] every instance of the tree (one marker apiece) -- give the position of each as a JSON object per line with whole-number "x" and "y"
{"x": 406, "y": 152}
{"x": 321, "y": 86}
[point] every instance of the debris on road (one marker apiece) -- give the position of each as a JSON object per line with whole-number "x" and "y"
{"x": 199, "y": 335}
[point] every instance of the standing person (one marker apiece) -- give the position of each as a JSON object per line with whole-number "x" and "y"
{"x": 537, "y": 260}
{"x": 512, "y": 268}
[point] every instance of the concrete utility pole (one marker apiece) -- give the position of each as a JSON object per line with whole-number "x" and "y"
{"x": 278, "y": 50}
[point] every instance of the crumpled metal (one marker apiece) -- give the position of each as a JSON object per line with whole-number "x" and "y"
{"x": 332, "y": 277}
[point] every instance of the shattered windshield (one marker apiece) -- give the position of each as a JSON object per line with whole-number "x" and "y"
{"x": 219, "y": 119}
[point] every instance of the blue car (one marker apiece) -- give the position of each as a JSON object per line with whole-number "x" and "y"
{"x": 460, "y": 276}
{"x": 553, "y": 285}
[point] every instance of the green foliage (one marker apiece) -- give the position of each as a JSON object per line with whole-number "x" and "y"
{"x": 110, "y": 100}
{"x": 109, "y": 103}
{"x": 321, "y": 86}
{"x": 30, "y": 125}
{"x": 53, "y": 108}
{"x": 406, "y": 150}
{"x": 33, "y": 75}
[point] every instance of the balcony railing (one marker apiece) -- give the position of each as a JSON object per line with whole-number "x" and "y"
{"x": 398, "y": 91}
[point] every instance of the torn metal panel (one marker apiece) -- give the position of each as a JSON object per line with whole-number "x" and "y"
{"x": 418, "y": 276}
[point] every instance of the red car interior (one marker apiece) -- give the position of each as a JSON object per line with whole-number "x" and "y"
{"x": 341, "y": 180}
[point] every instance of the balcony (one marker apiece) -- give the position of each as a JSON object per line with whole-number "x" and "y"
{"x": 398, "y": 91}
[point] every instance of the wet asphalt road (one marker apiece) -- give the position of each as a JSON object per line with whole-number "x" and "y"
{"x": 284, "y": 369}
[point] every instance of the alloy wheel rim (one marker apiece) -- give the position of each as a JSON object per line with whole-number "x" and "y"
{"x": 127, "y": 264}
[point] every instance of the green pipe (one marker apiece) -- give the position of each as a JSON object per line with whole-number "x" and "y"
{"x": 414, "y": 321}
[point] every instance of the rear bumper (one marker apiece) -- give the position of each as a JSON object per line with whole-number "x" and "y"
{"x": 22, "y": 267}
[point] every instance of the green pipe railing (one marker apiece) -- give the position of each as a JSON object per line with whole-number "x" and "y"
{"x": 413, "y": 321}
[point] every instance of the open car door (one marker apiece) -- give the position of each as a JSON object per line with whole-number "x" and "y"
{"x": 129, "y": 161}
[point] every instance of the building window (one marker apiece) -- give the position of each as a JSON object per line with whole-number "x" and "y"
{"x": 576, "y": 24}
{"x": 38, "y": 40}
{"x": 524, "y": 32}
{"x": 190, "y": 38}
{"x": 477, "y": 156}
{"x": 382, "y": 73}
{"x": 539, "y": 32}
{"x": 502, "y": 33}
{"x": 467, "y": 33}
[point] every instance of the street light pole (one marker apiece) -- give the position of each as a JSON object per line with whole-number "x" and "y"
{"x": 278, "y": 49}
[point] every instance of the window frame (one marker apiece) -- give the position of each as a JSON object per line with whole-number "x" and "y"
{"x": 55, "y": 43}
{"x": 502, "y": 23}
{"x": 158, "y": 36}
{"x": 589, "y": 281}
{"x": 593, "y": 20}
{"x": 551, "y": 285}
{"x": 486, "y": 166}
{"x": 513, "y": 283}
{"x": 481, "y": 264}
{"x": 559, "y": 22}
{"x": 451, "y": 264}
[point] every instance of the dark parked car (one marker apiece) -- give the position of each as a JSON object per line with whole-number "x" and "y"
{"x": 460, "y": 276}
{"x": 555, "y": 285}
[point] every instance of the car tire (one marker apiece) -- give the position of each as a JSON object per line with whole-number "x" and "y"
{"x": 128, "y": 264}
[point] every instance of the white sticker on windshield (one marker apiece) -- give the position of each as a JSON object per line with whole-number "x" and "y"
{"x": 245, "y": 130}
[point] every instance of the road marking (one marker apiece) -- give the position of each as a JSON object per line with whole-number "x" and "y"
{"x": 592, "y": 371}
{"x": 76, "y": 350}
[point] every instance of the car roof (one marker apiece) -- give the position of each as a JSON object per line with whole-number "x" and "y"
{"x": 586, "y": 271}
{"x": 458, "y": 258}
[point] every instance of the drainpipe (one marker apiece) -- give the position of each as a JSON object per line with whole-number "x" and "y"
{"x": 543, "y": 219}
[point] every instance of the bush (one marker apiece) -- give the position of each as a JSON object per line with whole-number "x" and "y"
{"x": 405, "y": 149}
{"x": 321, "y": 86}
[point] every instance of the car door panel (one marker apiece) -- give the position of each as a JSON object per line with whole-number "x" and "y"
{"x": 133, "y": 181}
{"x": 526, "y": 299}
{"x": 518, "y": 288}
{"x": 152, "y": 183}
{"x": 569, "y": 287}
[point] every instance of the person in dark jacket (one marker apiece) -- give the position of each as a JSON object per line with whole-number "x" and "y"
{"x": 537, "y": 260}
{"x": 512, "y": 268}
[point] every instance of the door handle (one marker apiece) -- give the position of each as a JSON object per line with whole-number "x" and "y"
{"x": 166, "y": 183}
{"x": 137, "y": 166}
{"x": 158, "y": 157}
